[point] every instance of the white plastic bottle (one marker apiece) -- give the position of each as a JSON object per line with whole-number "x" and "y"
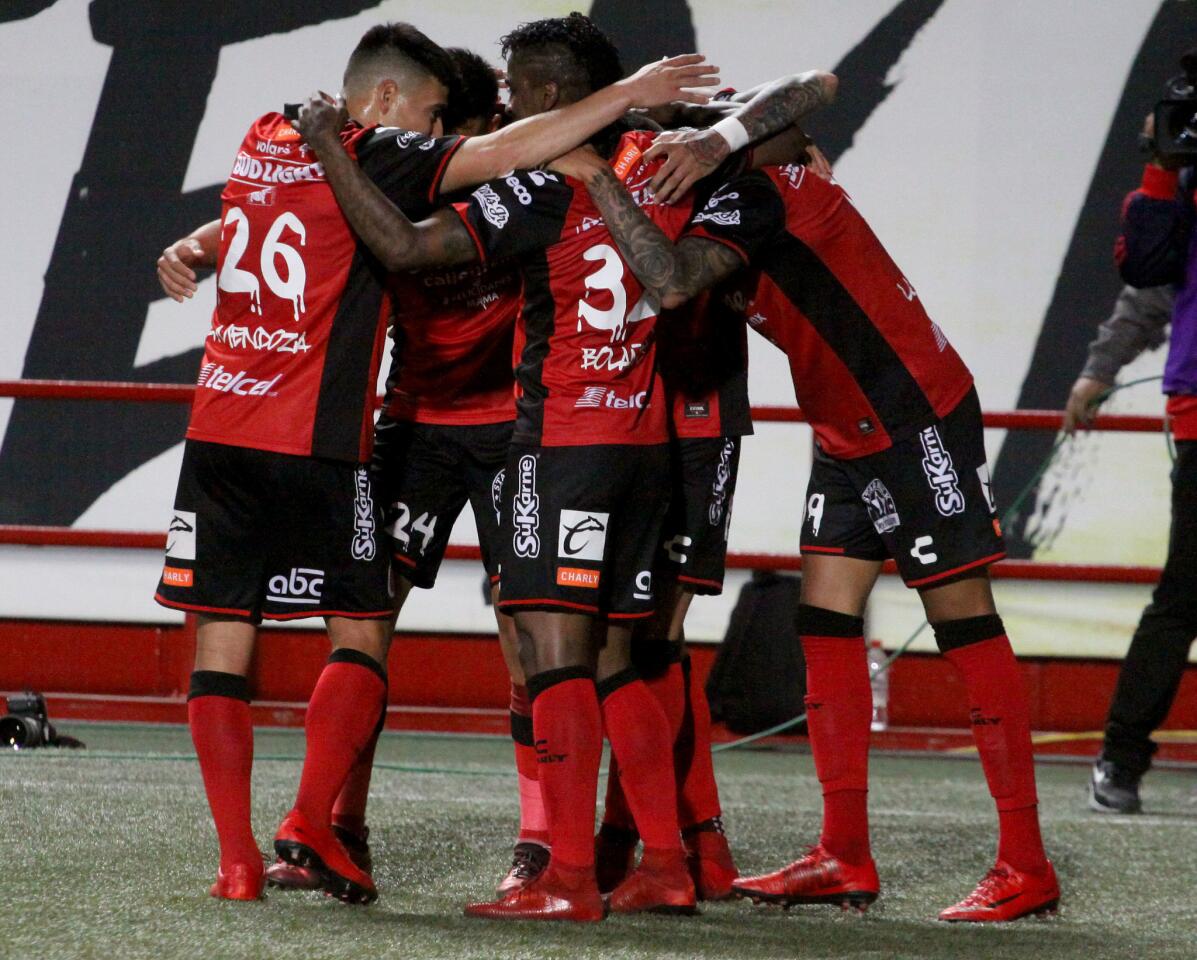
{"x": 879, "y": 681}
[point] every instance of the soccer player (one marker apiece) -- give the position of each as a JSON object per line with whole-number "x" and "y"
{"x": 586, "y": 476}
{"x": 275, "y": 515}
{"x": 900, "y": 471}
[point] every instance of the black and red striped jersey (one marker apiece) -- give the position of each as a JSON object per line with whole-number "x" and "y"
{"x": 869, "y": 365}
{"x": 453, "y": 337}
{"x": 586, "y": 336}
{"x": 292, "y": 357}
{"x": 703, "y": 357}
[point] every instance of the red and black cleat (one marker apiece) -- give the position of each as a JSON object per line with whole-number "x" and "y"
{"x": 527, "y": 863}
{"x": 300, "y": 843}
{"x": 242, "y": 881}
{"x": 660, "y": 884}
{"x": 614, "y": 855}
{"x": 709, "y": 860}
{"x": 1007, "y": 894}
{"x": 557, "y": 894}
{"x": 816, "y": 878}
{"x": 290, "y": 876}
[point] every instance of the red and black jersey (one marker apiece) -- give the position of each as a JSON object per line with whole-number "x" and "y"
{"x": 869, "y": 366}
{"x": 586, "y": 336}
{"x": 292, "y": 358}
{"x": 452, "y": 354}
{"x": 703, "y": 357}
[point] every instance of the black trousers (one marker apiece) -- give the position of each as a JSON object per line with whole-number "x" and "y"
{"x": 1156, "y": 660}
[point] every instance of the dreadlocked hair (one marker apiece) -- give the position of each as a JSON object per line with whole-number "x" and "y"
{"x": 576, "y": 53}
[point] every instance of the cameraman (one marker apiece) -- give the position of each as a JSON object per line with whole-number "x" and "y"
{"x": 1154, "y": 250}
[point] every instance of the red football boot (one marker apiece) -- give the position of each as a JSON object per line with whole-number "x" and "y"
{"x": 710, "y": 861}
{"x": 816, "y": 878}
{"x": 300, "y": 843}
{"x": 660, "y": 884}
{"x": 1007, "y": 894}
{"x": 243, "y": 881}
{"x": 557, "y": 894}
{"x": 528, "y": 863}
{"x": 614, "y": 855}
{"x": 289, "y": 876}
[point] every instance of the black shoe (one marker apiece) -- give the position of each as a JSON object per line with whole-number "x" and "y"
{"x": 1112, "y": 789}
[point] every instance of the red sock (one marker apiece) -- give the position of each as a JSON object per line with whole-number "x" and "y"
{"x": 534, "y": 822}
{"x": 669, "y": 690}
{"x": 698, "y": 794}
{"x": 341, "y": 719}
{"x": 349, "y": 811}
{"x": 615, "y": 807}
{"x": 1000, "y": 714}
{"x": 639, "y": 735}
{"x": 223, "y": 734}
{"x": 568, "y": 730}
{"x": 839, "y": 707}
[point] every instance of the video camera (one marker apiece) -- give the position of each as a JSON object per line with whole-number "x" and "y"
{"x": 26, "y": 724}
{"x": 1175, "y": 137}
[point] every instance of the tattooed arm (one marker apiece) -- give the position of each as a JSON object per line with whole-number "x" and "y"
{"x": 674, "y": 272}
{"x": 693, "y": 154}
{"x": 399, "y": 244}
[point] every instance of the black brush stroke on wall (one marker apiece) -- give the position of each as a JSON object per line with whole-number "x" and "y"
{"x": 1088, "y": 282}
{"x": 125, "y": 204}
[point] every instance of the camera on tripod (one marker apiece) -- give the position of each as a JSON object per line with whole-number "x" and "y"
{"x": 26, "y": 726}
{"x": 1175, "y": 137}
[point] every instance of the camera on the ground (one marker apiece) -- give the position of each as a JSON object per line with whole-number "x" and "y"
{"x": 1175, "y": 137}
{"x": 26, "y": 725}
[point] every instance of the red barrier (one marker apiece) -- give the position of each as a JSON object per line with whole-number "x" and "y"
{"x": 1003, "y": 570}
{"x": 183, "y": 393}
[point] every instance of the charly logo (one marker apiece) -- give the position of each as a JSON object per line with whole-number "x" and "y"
{"x": 363, "y": 547}
{"x": 937, "y": 465}
{"x": 582, "y": 535}
{"x": 180, "y": 536}
{"x": 493, "y": 209}
{"x": 880, "y": 504}
{"x": 525, "y": 514}
{"x": 921, "y": 551}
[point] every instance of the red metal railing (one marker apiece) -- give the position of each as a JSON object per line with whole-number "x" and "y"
{"x": 183, "y": 393}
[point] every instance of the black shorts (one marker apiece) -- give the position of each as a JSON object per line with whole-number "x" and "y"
{"x": 259, "y": 535}
{"x": 424, "y": 474}
{"x": 926, "y": 502}
{"x": 580, "y": 528}
{"x": 694, "y": 544}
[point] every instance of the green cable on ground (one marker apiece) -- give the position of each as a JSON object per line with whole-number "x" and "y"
{"x": 1030, "y": 485}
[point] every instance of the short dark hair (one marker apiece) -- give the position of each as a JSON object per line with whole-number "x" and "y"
{"x": 400, "y": 47}
{"x": 575, "y": 52}
{"x": 477, "y": 94}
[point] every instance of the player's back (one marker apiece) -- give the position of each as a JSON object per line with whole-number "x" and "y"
{"x": 586, "y": 338}
{"x": 869, "y": 365}
{"x": 294, "y": 345}
{"x": 453, "y": 333}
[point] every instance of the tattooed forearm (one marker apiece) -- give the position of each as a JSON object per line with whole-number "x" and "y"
{"x": 785, "y": 102}
{"x": 674, "y": 272}
{"x": 386, "y": 231}
{"x": 648, "y": 251}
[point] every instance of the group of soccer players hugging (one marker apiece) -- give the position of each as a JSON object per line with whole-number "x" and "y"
{"x": 617, "y": 268}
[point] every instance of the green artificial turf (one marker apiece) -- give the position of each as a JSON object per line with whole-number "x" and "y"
{"x": 109, "y": 852}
